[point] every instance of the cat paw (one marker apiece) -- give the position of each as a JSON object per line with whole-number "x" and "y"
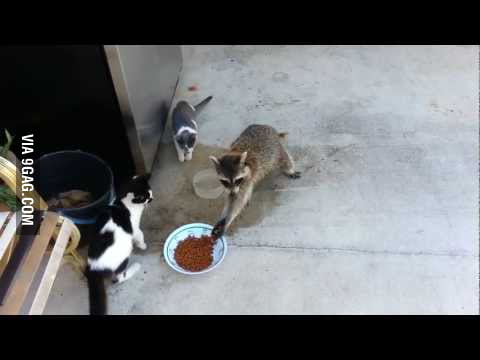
{"x": 127, "y": 274}
{"x": 142, "y": 246}
{"x": 139, "y": 241}
{"x": 134, "y": 268}
{"x": 295, "y": 175}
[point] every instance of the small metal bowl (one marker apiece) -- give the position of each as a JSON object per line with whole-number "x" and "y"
{"x": 206, "y": 185}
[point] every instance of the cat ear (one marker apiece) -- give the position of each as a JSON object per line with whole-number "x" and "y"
{"x": 243, "y": 158}
{"x": 214, "y": 160}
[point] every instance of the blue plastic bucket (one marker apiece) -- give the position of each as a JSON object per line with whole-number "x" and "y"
{"x": 68, "y": 170}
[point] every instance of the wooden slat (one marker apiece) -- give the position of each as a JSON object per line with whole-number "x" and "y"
{"x": 7, "y": 235}
{"x": 51, "y": 270}
{"x": 26, "y": 237}
{"x": 26, "y": 273}
{"x": 3, "y": 217}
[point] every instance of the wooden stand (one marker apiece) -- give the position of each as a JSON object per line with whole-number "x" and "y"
{"x": 27, "y": 266}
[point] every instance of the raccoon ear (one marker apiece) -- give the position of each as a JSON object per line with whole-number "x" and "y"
{"x": 243, "y": 158}
{"x": 214, "y": 160}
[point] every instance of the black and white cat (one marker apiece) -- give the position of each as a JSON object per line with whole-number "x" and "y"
{"x": 185, "y": 129}
{"x": 117, "y": 231}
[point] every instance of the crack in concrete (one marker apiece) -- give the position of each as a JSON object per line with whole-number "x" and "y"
{"x": 354, "y": 250}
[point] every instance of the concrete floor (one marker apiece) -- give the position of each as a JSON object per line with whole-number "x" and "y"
{"x": 385, "y": 217}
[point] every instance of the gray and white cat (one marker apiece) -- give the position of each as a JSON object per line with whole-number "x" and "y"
{"x": 117, "y": 231}
{"x": 185, "y": 128}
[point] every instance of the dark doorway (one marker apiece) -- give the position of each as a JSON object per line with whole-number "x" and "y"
{"x": 64, "y": 96}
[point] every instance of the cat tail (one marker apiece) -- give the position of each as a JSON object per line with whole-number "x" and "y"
{"x": 202, "y": 104}
{"x": 96, "y": 292}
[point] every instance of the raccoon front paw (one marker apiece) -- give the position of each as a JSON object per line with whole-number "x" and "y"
{"x": 295, "y": 175}
{"x": 219, "y": 229}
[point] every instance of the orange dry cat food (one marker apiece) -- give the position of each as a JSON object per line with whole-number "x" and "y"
{"x": 195, "y": 254}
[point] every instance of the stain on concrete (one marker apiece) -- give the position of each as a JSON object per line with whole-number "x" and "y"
{"x": 436, "y": 108}
{"x": 335, "y": 149}
{"x": 280, "y": 77}
{"x": 410, "y": 154}
{"x": 244, "y": 54}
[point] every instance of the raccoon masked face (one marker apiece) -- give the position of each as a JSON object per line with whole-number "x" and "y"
{"x": 232, "y": 171}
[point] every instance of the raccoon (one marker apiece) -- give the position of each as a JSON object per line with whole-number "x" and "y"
{"x": 253, "y": 155}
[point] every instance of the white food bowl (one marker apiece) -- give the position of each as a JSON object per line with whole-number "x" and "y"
{"x": 197, "y": 230}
